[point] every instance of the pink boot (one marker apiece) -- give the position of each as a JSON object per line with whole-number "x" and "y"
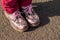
{"x": 17, "y": 21}
{"x": 31, "y": 15}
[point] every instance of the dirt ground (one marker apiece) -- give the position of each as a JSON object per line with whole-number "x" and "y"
{"x": 49, "y": 29}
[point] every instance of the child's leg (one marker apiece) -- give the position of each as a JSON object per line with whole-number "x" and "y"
{"x": 31, "y": 16}
{"x": 26, "y": 2}
{"x": 17, "y": 21}
{"x": 9, "y": 6}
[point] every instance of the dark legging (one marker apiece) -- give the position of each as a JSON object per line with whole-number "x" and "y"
{"x": 11, "y": 6}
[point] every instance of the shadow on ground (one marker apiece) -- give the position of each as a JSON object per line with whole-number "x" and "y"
{"x": 46, "y": 10}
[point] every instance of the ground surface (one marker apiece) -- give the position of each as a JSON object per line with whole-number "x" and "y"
{"x": 49, "y": 12}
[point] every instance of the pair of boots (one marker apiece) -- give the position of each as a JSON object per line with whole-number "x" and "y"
{"x": 19, "y": 23}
